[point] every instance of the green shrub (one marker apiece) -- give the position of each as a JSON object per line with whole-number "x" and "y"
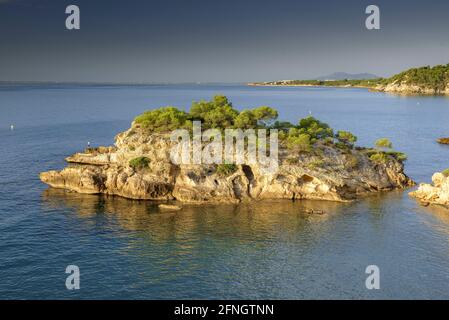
{"x": 400, "y": 156}
{"x": 343, "y": 146}
{"x": 139, "y": 163}
{"x": 282, "y": 125}
{"x": 314, "y": 128}
{"x": 384, "y": 143}
{"x": 346, "y": 137}
{"x": 245, "y": 120}
{"x": 264, "y": 115}
{"x": 379, "y": 157}
{"x": 162, "y": 119}
{"x": 218, "y": 113}
{"x": 226, "y": 169}
{"x": 282, "y": 135}
{"x": 445, "y": 172}
{"x": 315, "y": 164}
{"x": 300, "y": 142}
{"x": 328, "y": 141}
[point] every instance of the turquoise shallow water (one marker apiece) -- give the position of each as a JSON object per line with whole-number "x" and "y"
{"x": 128, "y": 249}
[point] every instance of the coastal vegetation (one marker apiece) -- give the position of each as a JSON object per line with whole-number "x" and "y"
{"x": 139, "y": 163}
{"x": 436, "y": 77}
{"x": 162, "y": 119}
{"x": 427, "y": 80}
{"x": 309, "y": 134}
{"x": 226, "y": 169}
{"x": 379, "y": 157}
{"x": 383, "y": 150}
{"x": 346, "y": 137}
{"x": 383, "y": 143}
{"x": 218, "y": 113}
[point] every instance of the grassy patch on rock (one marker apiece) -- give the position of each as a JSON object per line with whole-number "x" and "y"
{"x": 226, "y": 169}
{"x": 139, "y": 163}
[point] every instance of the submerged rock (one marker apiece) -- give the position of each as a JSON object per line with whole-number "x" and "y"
{"x": 139, "y": 167}
{"x": 443, "y": 140}
{"x": 315, "y": 211}
{"x": 169, "y": 207}
{"x": 438, "y": 193}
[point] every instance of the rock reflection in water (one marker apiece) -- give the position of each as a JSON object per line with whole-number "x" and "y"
{"x": 274, "y": 249}
{"x": 255, "y": 219}
{"x": 440, "y": 215}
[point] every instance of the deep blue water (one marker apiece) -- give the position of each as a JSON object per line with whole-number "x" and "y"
{"x": 128, "y": 249}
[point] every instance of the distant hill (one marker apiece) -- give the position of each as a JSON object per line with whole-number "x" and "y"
{"x": 429, "y": 79}
{"x": 349, "y": 76}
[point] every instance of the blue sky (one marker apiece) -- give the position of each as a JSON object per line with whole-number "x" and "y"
{"x": 217, "y": 41}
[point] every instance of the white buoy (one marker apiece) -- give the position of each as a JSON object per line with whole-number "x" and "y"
{"x": 12, "y": 127}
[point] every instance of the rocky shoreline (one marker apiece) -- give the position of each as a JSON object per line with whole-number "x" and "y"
{"x": 330, "y": 174}
{"x": 395, "y": 88}
{"x": 436, "y": 193}
{"x": 407, "y": 89}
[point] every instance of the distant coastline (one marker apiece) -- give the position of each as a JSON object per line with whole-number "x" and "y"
{"x": 329, "y": 84}
{"x": 424, "y": 80}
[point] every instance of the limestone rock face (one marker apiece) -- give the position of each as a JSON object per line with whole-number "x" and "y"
{"x": 404, "y": 88}
{"x": 438, "y": 193}
{"x": 331, "y": 174}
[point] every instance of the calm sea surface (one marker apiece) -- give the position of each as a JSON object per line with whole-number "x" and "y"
{"x": 128, "y": 249}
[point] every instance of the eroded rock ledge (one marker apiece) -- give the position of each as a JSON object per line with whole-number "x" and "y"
{"x": 436, "y": 193}
{"x": 330, "y": 174}
{"x": 403, "y": 88}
